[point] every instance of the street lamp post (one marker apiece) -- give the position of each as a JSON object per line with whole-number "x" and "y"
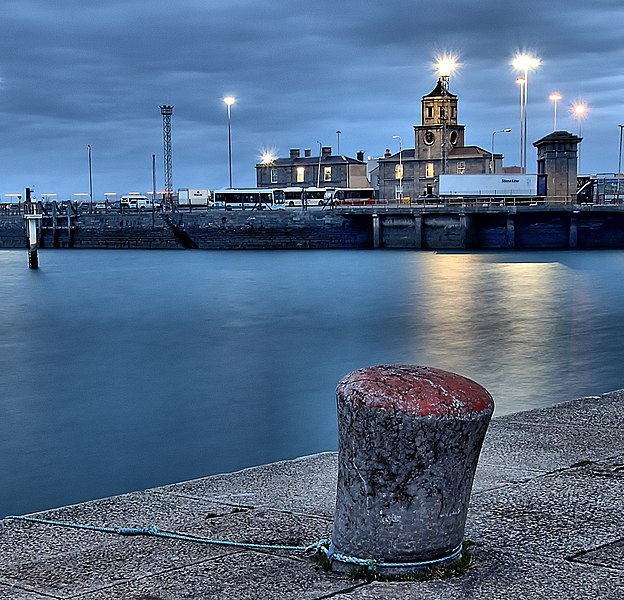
{"x": 579, "y": 112}
{"x": 492, "y": 147}
{"x": 619, "y": 175}
{"x": 318, "y": 175}
{"x": 520, "y": 81}
{"x": 229, "y": 100}
{"x": 153, "y": 187}
{"x": 555, "y": 97}
{"x": 525, "y": 63}
{"x": 90, "y": 179}
{"x": 399, "y": 194}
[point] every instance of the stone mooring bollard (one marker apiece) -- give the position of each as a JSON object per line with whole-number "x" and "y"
{"x": 409, "y": 441}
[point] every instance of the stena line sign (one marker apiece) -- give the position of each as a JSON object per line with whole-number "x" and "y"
{"x": 488, "y": 185}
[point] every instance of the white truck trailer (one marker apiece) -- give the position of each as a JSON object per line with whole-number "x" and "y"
{"x": 500, "y": 185}
{"x": 194, "y": 197}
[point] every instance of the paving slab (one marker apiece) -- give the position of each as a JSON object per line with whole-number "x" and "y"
{"x": 304, "y": 486}
{"x": 506, "y": 576}
{"x": 609, "y": 555}
{"x": 141, "y": 509}
{"x": 602, "y": 411}
{"x": 81, "y": 570}
{"x": 559, "y": 514}
{"x": 244, "y": 576}
{"x": 77, "y": 569}
{"x": 491, "y": 477}
{"x": 18, "y": 593}
{"x": 527, "y": 445}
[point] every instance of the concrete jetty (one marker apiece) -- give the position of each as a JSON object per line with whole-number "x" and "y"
{"x": 546, "y": 520}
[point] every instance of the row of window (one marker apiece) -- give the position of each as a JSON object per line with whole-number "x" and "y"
{"x": 300, "y": 174}
{"x": 429, "y": 170}
{"x": 442, "y": 112}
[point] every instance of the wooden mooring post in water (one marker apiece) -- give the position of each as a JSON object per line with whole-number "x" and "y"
{"x": 33, "y": 218}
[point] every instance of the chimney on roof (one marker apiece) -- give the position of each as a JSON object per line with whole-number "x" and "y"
{"x": 307, "y": 152}
{"x": 326, "y": 151}
{"x": 295, "y": 153}
{"x": 360, "y": 155}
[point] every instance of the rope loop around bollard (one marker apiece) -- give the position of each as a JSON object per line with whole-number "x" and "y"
{"x": 373, "y": 565}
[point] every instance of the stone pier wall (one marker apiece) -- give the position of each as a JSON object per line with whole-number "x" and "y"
{"x": 458, "y": 228}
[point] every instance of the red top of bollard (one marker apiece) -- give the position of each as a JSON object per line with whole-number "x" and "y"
{"x": 420, "y": 391}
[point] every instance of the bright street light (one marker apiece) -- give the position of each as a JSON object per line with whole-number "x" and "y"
{"x": 525, "y": 63}
{"x": 267, "y": 158}
{"x": 229, "y": 100}
{"x": 446, "y": 65}
{"x": 579, "y": 111}
{"x": 555, "y": 97}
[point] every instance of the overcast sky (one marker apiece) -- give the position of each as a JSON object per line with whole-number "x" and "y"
{"x": 74, "y": 73}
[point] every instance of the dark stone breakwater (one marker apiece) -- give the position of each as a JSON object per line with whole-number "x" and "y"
{"x": 442, "y": 227}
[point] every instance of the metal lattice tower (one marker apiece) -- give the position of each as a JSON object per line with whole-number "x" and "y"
{"x": 166, "y": 111}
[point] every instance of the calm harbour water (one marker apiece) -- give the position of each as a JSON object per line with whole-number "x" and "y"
{"x": 122, "y": 370}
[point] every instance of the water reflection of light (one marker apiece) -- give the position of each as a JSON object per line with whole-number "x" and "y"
{"x": 499, "y": 322}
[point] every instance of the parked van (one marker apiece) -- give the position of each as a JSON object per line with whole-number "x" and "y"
{"x": 136, "y": 202}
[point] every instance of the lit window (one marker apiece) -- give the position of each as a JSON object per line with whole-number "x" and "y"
{"x": 300, "y": 174}
{"x": 429, "y": 170}
{"x": 461, "y": 167}
{"x": 273, "y": 175}
{"x": 398, "y": 171}
{"x": 327, "y": 173}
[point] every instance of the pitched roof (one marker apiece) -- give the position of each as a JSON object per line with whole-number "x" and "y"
{"x": 438, "y": 91}
{"x": 469, "y": 152}
{"x": 313, "y": 160}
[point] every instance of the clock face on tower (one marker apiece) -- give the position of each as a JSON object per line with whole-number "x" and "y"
{"x": 429, "y": 137}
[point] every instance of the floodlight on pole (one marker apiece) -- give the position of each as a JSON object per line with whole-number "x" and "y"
{"x": 524, "y": 63}
{"x": 520, "y": 81}
{"x": 445, "y": 66}
{"x": 229, "y": 100}
{"x": 554, "y": 98}
{"x": 579, "y": 111}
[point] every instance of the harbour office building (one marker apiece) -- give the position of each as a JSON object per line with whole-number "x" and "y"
{"x": 438, "y": 148}
{"x": 327, "y": 171}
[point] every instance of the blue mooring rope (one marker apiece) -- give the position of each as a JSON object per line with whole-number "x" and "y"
{"x": 325, "y": 545}
{"x": 154, "y": 531}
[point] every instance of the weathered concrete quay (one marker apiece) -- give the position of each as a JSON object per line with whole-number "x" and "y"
{"x": 546, "y": 519}
{"x": 473, "y": 226}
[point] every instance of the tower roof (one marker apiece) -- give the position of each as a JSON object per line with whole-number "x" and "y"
{"x": 438, "y": 91}
{"x": 558, "y": 137}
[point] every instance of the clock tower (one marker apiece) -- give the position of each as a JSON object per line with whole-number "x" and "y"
{"x": 439, "y": 132}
